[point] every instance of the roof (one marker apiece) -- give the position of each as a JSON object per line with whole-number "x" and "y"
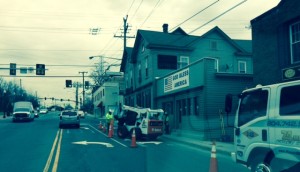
{"x": 126, "y": 55}
{"x": 244, "y": 47}
{"x": 271, "y": 11}
{"x": 176, "y": 40}
{"x": 180, "y": 40}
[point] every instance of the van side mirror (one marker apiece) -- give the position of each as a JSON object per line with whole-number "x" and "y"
{"x": 228, "y": 103}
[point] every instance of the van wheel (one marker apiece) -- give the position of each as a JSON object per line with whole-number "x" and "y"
{"x": 260, "y": 164}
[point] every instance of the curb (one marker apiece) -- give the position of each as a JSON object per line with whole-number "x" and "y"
{"x": 202, "y": 146}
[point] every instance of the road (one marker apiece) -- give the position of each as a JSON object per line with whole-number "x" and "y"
{"x": 41, "y": 146}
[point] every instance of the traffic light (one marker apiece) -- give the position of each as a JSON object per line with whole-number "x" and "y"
{"x": 86, "y": 84}
{"x": 69, "y": 83}
{"x": 40, "y": 69}
{"x": 12, "y": 68}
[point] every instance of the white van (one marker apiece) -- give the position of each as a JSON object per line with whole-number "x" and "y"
{"x": 267, "y": 127}
{"x": 23, "y": 111}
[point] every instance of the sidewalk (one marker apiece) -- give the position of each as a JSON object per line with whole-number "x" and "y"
{"x": 222, "y": 147}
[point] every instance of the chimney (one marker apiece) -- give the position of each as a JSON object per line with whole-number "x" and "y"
{"x": 165, "y": 28}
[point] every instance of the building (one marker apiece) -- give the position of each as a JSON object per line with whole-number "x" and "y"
{"x": 108, "y": 96}
{"x": 187, "y": 76}
{"x": 276, "y": 44}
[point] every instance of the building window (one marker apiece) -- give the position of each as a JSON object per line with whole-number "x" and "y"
{"x": 143, "y": 47}
{"x": 295, "y": 42}
{"x": 213, "y": 45}
{"x": 146, "y": 67}
{"x": 140, "y": 72}
{"x": 166, "y": 62}
{"x": 242, "y": 66}
{"x": 183, "y": 61}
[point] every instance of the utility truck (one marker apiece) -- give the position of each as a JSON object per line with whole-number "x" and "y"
{"x": 145, "y": 121}
{"x": 267, "y": 127}
{"x": 23, "y": 111}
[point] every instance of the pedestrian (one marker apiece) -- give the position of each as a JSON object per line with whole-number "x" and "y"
{"x": 167, "y": 126}
{"x": 108, "y": 117}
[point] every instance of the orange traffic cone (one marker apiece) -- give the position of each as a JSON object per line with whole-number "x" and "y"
{"x": 133, "y": 139}
{"x": 213, "y": 159}
{"x": 110, "y": 131}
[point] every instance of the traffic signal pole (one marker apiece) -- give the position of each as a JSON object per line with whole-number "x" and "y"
{"x": 83, "y": 91}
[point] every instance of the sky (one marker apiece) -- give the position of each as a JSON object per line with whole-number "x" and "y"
{"x": 57, "y": 33}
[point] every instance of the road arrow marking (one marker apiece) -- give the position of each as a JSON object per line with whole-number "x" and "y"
{"x": 94, "y": 143}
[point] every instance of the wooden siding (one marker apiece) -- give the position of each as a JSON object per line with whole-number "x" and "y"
{"x": 215, "y": 89}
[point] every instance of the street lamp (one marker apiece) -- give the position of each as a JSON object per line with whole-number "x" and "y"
{"x": 91, "y": 57}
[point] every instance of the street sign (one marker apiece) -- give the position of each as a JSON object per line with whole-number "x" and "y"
{"x": 23, "y": 70}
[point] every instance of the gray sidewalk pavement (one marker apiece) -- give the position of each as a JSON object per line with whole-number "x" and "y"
{"x": 222, "y": 147}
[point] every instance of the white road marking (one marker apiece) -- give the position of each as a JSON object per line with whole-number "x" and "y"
{"x": 89, "y": 143}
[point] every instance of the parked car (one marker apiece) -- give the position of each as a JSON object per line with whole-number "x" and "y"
{"x": 81, "y": 114}
{"x": 70, "y": 118}
{"x": 43, "y": 111}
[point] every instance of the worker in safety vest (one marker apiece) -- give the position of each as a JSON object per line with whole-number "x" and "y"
{"x": 109, "y": 116}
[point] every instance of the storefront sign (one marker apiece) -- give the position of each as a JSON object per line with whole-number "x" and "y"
{"x": 177, "y": 80}
{"x": 291, "y": 73}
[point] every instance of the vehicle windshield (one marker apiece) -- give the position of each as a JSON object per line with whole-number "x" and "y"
{"x": 253, "y": 104}
{"x": 21, "y": 109}
{"x": 155, "y": 115}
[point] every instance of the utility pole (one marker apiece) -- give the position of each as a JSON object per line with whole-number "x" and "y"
{"x": 83, "y": 91}
{"x": 125, "y": 32}
{"x": 76, "y": 95}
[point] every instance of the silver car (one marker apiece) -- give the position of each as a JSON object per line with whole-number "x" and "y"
{"x": 70, "y": 118}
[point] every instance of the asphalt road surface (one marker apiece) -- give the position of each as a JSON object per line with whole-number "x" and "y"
{"x": 41, "y": 146}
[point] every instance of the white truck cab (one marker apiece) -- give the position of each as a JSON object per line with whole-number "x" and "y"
{"x": 267, "y": 127}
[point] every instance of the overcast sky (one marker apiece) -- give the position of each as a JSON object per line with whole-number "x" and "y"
{"x": 57, "y": 32}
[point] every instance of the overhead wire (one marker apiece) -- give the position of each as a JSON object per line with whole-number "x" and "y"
{"x": 151, "y": 12}
{"x": 213, "y": 19}
{"x": 210, "y": 5}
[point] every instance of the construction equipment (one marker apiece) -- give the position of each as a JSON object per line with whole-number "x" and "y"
{"x": 146, "y": 122}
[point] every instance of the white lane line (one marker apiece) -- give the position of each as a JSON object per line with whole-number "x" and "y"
{"x": 105, "y": 136}
{"x": 51, "y": 153}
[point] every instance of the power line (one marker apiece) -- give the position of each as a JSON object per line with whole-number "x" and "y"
{"x": 195, "y": 14}
{"x": 151, "y": 12}
{"x": 130, "y": 6}
{"x": 213, "y": 19}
